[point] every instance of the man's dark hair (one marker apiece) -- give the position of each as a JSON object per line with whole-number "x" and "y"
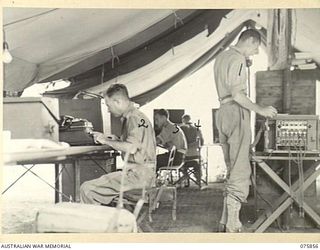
{"x": 162, "y": 112}
{"x": 250, "y": 33}
{"x": 117, "y": 89}
{"x": 186, "y": 117}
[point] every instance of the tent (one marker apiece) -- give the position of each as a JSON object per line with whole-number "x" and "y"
{"x": 147, "y": 50}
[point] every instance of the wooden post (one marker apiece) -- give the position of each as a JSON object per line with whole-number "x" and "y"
{"x": 287, "y": 95}
{"x": 287, "y": 83}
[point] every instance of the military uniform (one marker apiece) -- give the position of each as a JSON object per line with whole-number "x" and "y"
{"x": 233, "y": 122}
{"x": 194, "y": 139}
{"x": 172, "y": 135}
{"x": 141, "y": 164}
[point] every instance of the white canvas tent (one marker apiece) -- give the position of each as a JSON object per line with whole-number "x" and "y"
{"x": 148, "y": 50}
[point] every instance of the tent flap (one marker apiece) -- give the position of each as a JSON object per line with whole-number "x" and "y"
{"x": 206, "y": 19}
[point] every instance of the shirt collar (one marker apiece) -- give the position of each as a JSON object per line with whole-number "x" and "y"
{"x": 236, "y": 49}
{"x": 167, "y": 123}
{"x": 128, "y": 110}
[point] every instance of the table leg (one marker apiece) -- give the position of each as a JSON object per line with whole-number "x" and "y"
{"x": 274, "y": 216}
{"x": 57, "y": 182}
{"x": 308, "y": 181}
{"x": 274, "y": 176}
{"x": 77, "y": 180}
{"x": 311, "y": 176}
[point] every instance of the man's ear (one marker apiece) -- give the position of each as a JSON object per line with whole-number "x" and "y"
{"x": 116, "y": 100}
{"x": 249, "y": 40}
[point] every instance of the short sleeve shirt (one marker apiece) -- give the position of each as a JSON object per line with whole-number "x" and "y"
{"x": 192, "y": 135}
{"x": 171, "y": 134}
{"x": 138, "y": 130}
{"x": 230, "y": 73}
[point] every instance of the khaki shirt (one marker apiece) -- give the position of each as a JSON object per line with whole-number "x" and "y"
{"x": 137, "y": 129}
{"x": 230, "y": 73}
{"x": 194, "y": 138}
{"x": 171, "y": 135}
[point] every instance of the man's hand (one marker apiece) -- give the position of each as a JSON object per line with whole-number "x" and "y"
{"x": 99, "y": 138}
{"x": 268, "y": 112}
{"x": 112, "y": 137}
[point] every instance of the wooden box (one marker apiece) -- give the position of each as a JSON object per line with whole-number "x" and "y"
{"x": 31, "y": 117}
{"x": 270, "y": 90}
{"x": 84, "y": 169}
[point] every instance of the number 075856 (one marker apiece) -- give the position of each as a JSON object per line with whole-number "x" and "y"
{"x": 309, "y": 245}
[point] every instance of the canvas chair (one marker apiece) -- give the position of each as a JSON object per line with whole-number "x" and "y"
{"x": 193, "y": 170}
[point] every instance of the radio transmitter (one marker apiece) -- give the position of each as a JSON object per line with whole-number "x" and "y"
{"x": 292, "y": 133}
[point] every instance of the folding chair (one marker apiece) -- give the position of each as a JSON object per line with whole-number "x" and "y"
{"x": 134, "y": 200}
{"x": 174, "y": 172}
{"x": 193, "y": 170}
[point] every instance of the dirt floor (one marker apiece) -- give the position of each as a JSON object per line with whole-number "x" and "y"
{"x": 197, "y": 211}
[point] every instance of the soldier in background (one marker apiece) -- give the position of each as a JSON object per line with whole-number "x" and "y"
{"x": 195, "y": 141}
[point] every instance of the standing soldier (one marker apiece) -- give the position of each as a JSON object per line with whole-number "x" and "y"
{"x": 233, "y": 122}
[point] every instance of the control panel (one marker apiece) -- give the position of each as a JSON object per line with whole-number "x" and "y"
{"x": 293, "y": 133}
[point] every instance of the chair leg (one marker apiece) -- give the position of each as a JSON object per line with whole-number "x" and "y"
{"x": 157, "y": 198}
{"x": 199, "y": 176}
{"x": 150, "y": 206}
{"x": 174, "y": 205}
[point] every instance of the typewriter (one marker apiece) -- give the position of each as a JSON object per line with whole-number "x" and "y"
{"x": 75, "y": 131}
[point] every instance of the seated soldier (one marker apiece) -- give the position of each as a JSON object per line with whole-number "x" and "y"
{"x": 138, "y": 141}
{"x": 170, "y": 135}
{"x": 193, "y": 136}
{"x": 195, "y": 141}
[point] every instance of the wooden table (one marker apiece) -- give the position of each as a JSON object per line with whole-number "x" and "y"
{"x": 291, "y": 193}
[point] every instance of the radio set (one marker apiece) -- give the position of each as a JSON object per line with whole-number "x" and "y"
{"x": 292, "y": 133}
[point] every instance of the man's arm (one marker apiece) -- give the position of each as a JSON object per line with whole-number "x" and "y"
{"x": 238, "y": 77}
{"x": 200, "y": 137}
{"x": 158, "y": 140}
{"x": 117, "y": 145}
{"x": 245, "y": 102}
{"x": 123, "y": 146}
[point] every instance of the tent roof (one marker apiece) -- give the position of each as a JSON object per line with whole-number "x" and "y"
{"x": 45, "y": 42}
{"x": 95, "y": 47}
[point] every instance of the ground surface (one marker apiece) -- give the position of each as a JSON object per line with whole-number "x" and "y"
{"x": 197, "y": 211}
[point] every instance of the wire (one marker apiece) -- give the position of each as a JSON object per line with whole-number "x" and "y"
{"x": 27, "y": 18}
{"x": 177, "y": 19}
{"x": 269, "y": 204}
{"x": 289, "y": 180}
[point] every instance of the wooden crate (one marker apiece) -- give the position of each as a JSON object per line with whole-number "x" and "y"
{"x": 31, "y": 117}
{"x": 269, "y": 90}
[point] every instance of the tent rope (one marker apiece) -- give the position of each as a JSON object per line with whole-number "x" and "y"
{"x": 172, "y": 49}
{"x": 114, "y": 56}
{"x": 30, "y": 17}
{"x": 102, "y": 73}
{"x": 177, "y": 19}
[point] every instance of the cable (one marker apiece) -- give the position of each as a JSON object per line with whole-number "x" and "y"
{"x": 27, "y": 18}
{"x": 289, "y": 180}
{"x": 301, "y": 180}
{"x": 269, "y": 204}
